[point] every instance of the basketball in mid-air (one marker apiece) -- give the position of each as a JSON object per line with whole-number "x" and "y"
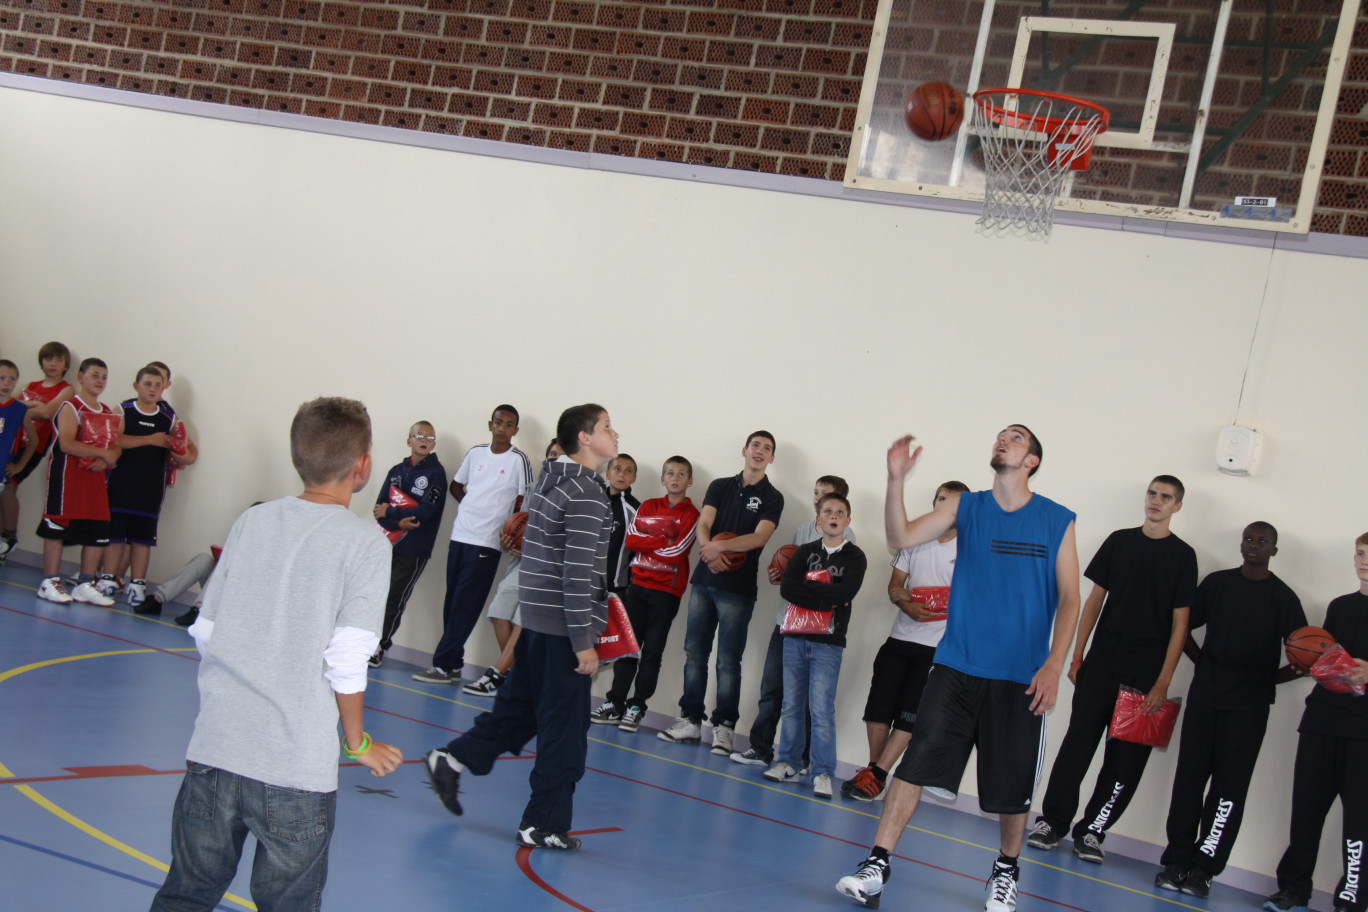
{"x": 934, "y": 110}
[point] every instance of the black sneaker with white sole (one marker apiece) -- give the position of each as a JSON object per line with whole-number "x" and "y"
{"x": 1088, "y": 847}
{"x": 1197, "y": 883}
{"x": 1042, "y": 835}
{"x": 866, "y": 885}
{"x": 534, "y": 838}
{"x": 1171, "y": 878}
{"x": 444, "y": 772}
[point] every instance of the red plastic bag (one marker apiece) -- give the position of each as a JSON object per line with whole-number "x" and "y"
{"x": 805, "y": 620}
{"x": 1129, "y": 723}
{"x": 98, "y": 429}
{"x": 175, "y": 442}
{"x": 1334, "y": 671}
{"x": 618, "y": 640}
{"x": 663, "y": 526}
{"x": 936, "y": 599}
{"x": 397, "y": 498}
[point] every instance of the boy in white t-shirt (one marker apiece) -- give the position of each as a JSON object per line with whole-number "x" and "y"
{"x": 906, "y": 656}
{"x": 489, "y": 486}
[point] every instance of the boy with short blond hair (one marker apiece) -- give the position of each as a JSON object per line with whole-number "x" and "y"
{"x": 43, "y": 398}
{"x": 660, "y": 537}
{"x": 771, "y": 704}
{"x": 812, "y": 661}
{"x": 76, "y": 511}
{"x": 422, "y": 479}
{"x": 274, "y": 683}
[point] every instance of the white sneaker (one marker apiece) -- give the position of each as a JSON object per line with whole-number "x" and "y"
{"x": 1002, "y": 888}
{"x": 781, "y": 772}
{"x": 821, "y": 786}
{"x": 6, "y": 546}
{"x": 682, "y": 732}
{"x": 722, "y": 740}
{"x": 52, "y": 590}
{"x": 866, "y": 885}
{"x": 136, "y": 592}
{"x": 107, "y": 585}
{"x": 90, "y": 595}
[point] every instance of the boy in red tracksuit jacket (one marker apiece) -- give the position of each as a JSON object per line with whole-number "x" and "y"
{"x": 661, "y": 535}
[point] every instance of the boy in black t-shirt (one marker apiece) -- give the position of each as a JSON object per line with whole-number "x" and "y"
{"x": 1248, "y": 613}
{"x": 721, "y": 601}
{"x": 1332, "y": 761}
{"x": 1144, "y": 583}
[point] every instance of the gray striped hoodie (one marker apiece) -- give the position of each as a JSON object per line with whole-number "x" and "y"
{"x": 562, "y": 584}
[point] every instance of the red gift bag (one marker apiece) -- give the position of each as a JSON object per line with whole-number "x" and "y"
{"x": 397, "y": 498}
{"x": 618, "y": 641}
{"x": 175, "y": 442}
{"x": 1129, "y": 723}
{"x": 805, "y": 620}
{"x": 1334, "y": 671}
{"x": 98, "y": 429}
{"x": 936, "y": 599}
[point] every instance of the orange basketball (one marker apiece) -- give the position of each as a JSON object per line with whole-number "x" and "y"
{"x": 514, "y": 527}
{"x": 781, "y": 558}
{"x": 732, "y": 559}
{"x": 1307, "y": 644}
{"x": 934, "y": 110}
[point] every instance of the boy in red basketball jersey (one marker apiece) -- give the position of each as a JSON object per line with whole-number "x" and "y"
{"x": 44, "y": 397}
{"x": 76, "y": 511}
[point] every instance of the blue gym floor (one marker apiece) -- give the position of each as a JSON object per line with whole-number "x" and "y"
{"x": 99, "y": 704}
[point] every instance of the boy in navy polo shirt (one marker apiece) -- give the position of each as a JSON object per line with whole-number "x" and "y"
{"x": 421, "y": 477}
{"x": 1332, "y": 754}
{"x": 721, "y": 602}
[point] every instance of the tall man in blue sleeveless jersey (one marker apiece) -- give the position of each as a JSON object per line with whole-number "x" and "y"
{"x": 1011, "y": 620}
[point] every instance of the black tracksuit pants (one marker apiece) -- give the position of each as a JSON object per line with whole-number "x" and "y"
{"x": 1328, "y": 768}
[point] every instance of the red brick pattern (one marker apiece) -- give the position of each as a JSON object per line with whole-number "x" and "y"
{"x": 761, "y": 85}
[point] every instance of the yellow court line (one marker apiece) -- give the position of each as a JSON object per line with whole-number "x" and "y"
{"x": 111, "y": 609}
{"x": 65, "y": 815}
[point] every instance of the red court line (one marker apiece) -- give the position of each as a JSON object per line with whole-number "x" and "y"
{"x": 802, "y": 829}
{"x": 524, "y": 859}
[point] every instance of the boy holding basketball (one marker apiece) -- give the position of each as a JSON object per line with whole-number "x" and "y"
{"x": 1144, "y": 582}
{"x": 749, "y": 507}
{"x": 1332, "y": 756}
{"x": 489, "y": 486}
{"x": 661, "y": 535}
{"x": 563, "y": 594}
{"x": 771, "y": 704}
{"x": 1248, "y": 613}
{"x": 422, "y": 479}
{"x": 263, "y": 756}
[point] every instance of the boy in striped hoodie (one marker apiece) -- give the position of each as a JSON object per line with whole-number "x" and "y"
{"x": 562, "y": 590}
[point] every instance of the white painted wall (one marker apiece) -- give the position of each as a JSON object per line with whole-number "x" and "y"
{"x": 269, "y": 266}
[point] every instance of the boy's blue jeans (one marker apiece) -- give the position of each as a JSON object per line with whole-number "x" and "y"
{"x": 810, "y": 674}
{"x": 728, "y": 615}
{"x": 214, "y": 812}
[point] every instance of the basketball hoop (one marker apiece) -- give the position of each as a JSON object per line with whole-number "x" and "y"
{"x": 1031, "y": 140}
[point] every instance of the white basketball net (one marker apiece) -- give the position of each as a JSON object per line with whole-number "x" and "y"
{"x": 1030, "y": 143}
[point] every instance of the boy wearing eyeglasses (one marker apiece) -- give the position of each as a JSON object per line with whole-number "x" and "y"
{"x": 422, "y": 478}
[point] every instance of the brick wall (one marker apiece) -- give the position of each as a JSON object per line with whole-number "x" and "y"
{"x": 762, "y": 85}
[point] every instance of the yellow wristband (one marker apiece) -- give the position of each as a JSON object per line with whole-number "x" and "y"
{"x": 354, "y": 754}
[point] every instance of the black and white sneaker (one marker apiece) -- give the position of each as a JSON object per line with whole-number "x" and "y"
{"x": 1002, "y": 888}
{"x": 1197, "y": 883}
{"x": 534, "y": 838}
{"x": 1042, "y": 835}
{"x": 607, "y": 714}
{"x": 1089, "y": 848}
{"x": 444, "y": 772}
{"x": 751, "y": 757}
{"x": 1171, "y": 878}
{"x": 487, "y": 684}
{"x": 375, "y": 660}
{"x": 866, "y": 885}
{"x": 631, "y": 719}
